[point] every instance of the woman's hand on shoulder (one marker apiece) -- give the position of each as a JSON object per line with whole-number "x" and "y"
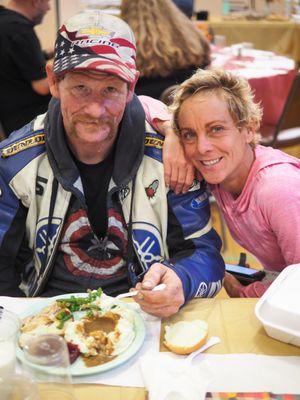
{"x": 179, "y": 173}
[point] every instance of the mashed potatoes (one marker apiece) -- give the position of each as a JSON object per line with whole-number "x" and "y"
{"x": 97, "y": 325}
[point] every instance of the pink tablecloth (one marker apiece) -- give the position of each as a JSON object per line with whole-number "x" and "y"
{"x": 270, "y": 76}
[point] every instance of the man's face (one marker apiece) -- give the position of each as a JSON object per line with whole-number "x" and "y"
{"x": 92, "y": 106}
{"x": 41, "y": 8}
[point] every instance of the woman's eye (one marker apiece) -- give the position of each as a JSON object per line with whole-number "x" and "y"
{"x": 216, "y": 129}
{"x": 80, "y": 91}
{"x": 187, "y": 136}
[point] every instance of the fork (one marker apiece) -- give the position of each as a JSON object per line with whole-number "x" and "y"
{"x": 162, "y": 286}
{"x": 211, "y": 342}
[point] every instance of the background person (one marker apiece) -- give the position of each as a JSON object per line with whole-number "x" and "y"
{"x": 256, "y": 187}
{"x": 84, "y": 200}
{"x": 24, "y": 88}
{"x": 186, "y": 6}
{"x": 170, "y": 47}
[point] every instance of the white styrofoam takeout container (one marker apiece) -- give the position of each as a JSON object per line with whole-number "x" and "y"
{"x": 279, "y": 307}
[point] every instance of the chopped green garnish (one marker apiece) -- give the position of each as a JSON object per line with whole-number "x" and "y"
{"x": 63, "y": 317}
{"x": 79, "y": 301}
{"x": 62, "y": 314}
{"x": 72, "y": 304}
{"x": 90, "y": 314}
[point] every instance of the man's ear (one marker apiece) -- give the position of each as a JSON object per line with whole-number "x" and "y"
{"x": 131, "y": 87}
{"x": 53, "y": 83}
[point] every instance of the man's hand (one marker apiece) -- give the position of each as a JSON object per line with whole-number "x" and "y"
{"x": 160, "y": 303}
{"x": 232, "y": 285}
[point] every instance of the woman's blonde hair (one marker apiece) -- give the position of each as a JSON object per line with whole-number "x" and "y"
{"x": 235, "y": 90}
{"x": 166, "y": 39}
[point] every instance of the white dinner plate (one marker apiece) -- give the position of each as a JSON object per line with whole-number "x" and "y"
{"x": 78, "y": 367}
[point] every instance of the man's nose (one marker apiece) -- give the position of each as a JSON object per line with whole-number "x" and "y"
{"x": 95, "y": 108}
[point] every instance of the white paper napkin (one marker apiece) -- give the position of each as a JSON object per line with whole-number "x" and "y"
{"x": 168, "y": 377}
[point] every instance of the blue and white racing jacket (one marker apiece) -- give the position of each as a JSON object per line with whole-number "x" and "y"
{"x": 38, "y": 178}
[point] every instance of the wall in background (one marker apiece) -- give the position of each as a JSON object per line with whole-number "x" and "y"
{"x": 67, "y": 8}
{"x": 213, "y": 6}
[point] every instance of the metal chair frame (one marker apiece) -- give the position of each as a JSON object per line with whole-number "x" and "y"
{"x": 287, "y": 130}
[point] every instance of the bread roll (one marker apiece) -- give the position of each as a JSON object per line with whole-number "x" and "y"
{"x": 184, "y": 337}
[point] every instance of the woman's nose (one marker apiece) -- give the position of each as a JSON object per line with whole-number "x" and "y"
{"x": 203, "y": 145}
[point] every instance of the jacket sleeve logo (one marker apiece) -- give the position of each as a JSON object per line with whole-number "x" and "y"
{"x": 23, "y": 145}
{"x": 43, "y": 235}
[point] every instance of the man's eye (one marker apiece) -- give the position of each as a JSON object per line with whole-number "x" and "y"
{"x": 187, "y": 136}
{"x": 80, "y": 91}
{"x": 111, "y": 90}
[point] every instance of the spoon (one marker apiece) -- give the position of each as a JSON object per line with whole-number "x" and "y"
{"x": 162, "y": 286}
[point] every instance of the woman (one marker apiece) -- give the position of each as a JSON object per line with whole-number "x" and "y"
{"x": 256, "y": 187}
{"x": 169, "y": 46}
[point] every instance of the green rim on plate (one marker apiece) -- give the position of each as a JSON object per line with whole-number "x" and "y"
{"x": 78, "y": 368}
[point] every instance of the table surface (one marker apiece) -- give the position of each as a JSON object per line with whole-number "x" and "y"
{"x": 270, "y": 76}
{"x": 231, "y": 320}
{"x": 282, "y": 37}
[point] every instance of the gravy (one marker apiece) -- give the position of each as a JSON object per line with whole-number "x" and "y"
{"x": 104, "y": 324}
{"x": 99, "y": 359}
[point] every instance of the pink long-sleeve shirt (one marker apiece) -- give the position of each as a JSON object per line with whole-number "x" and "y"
{"x": 265, "y": 218}
{"x": 155, "y": 110}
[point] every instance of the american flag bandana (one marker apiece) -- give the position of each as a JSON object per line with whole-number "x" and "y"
{"x": 93, "y": 40}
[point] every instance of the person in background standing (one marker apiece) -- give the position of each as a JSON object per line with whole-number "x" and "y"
{"x": 24, "y": 87}
{"x": 169, "y": 47}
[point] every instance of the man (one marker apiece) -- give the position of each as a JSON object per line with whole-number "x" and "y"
{"x": 24, "y": 88}
{"x": 84, "y": 203}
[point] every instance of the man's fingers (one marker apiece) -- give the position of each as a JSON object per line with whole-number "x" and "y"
{"x": 161, "y": 312}
{"x": 164, "y": 302}
{"x": 155, "y": 298}
{"x": 153, "y": 277}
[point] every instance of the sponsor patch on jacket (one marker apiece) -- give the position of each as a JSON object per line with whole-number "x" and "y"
{"x": 124, "y": 192}
{"x": 42, "y": 236}
{"x": 152, "y": 188}
{"x": 154, "y": 142}
{"x": 153, "y": 146}
{"x": 23, "y": 145}
{"x": 199, "y": 201}
{"x": 147, "y": 243}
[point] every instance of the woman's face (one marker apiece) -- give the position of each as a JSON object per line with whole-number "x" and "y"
{"x": 217, "y": 147}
